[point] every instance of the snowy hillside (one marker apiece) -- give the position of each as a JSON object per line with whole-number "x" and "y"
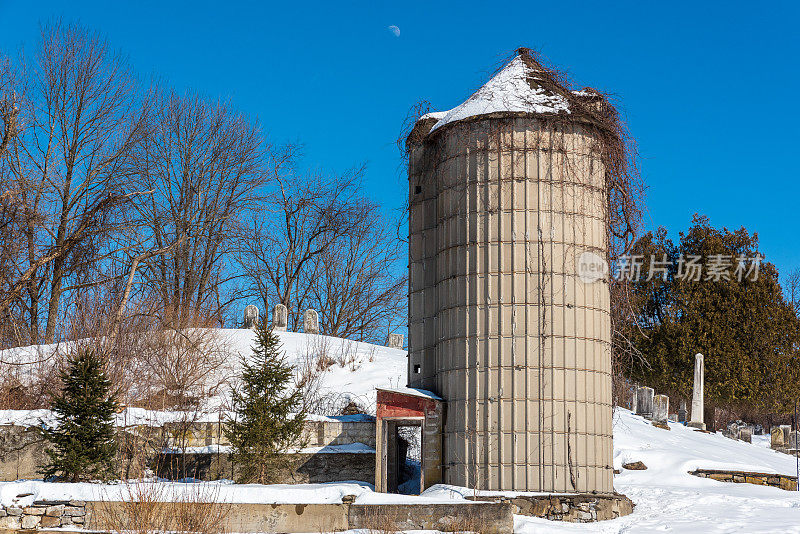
{"x": 356, "y": 369}
{"x": 353, "y": 369}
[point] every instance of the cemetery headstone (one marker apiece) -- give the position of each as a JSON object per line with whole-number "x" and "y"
{"x": 697, "y": 394}
{"x": 311, "y": 322}
{"x": 250, "y": 316}
{"x": 682, "y": 412}
{"x": 746, "y": 434}
{"x": 776, "y": 438}
{"x": 395, "y": 341}
{"x": 280, "y": 318}
{"x": 644, "y": 402}
{"x": 660, "y": 408}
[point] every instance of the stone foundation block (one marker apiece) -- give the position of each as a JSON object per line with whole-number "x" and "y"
{"x": 30, "y": 522}
{"x": 9, "y": 522}
{"x": 54, "y": 511}
{"x": 50, "y": 522}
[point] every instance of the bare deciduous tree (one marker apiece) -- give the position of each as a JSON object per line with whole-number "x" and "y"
{"x": 205, "y": 165}
{"x": 358, "y": 285}
{"x": 303, "y": 216}
{"x": 8, "y": 106}
{"x": 793, "y": 289}
{"x": 70, "y": 168}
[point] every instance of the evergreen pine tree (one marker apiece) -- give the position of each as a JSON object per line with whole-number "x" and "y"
{"x": 748, "y": 333}
{"x": 83, "y": 439}
{"x": 269, "y": 414}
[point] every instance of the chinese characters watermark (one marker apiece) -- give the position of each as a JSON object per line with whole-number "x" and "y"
{"x": 689, "y": 267}
{"x": 694, "y": 268}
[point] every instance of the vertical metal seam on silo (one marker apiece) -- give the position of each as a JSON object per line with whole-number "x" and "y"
{"x": 547, "y": 434}
{"x": 499, "y": 475}
{"x": 514, "y": 267}
{"x": 526, "y": 275}
{"x": 486, "y": 317}
{"x": 569, "y": 344}
{"x": 540, "y": 310}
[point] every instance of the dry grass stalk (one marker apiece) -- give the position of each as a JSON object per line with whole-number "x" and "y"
{"x": 149, "y": 508}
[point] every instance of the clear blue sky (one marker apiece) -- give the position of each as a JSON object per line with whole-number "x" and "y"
{"x": 708, "y": 89}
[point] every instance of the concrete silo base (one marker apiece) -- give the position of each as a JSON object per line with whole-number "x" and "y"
{"x": 570, "y": 507}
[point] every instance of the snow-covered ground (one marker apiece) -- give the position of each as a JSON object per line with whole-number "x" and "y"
{"x": 667, "y": 497}
{"x": 24, "y": 493}
{"x": 359, "y": 368}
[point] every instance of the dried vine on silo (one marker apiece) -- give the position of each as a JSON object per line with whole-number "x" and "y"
{"x": 594, "y": 111}
{"x": 587, "y": 111}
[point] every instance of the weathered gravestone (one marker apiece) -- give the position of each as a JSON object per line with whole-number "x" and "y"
{"x": 682, "y": 412}
{"x": 786, "y": 429}
{"x": 660, "y": 408}
{"x": 793, "y": 439}
{"x": 776, "y": 438}
{"x": 280, "y": 318}
{"x": 311, "y": 322}
{"x": 746, "y": 434}
{"x": 395, "y": 341}
{"x": 698, "y": 420}
{"x": 731, "y": 431}
{"x": 644, "y": 402}
{"x": 250, "y": 316}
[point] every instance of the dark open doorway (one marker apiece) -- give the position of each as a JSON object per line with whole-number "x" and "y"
{"x": 403, "y": 456}
{"x": 409, "y": 459}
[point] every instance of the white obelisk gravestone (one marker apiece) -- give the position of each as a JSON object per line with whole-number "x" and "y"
{"x": 697, "y": 395}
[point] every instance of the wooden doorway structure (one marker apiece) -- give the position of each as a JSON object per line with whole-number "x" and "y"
{"x": 407, "y": 407}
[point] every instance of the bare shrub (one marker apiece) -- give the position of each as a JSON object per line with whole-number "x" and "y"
{"x": 29, "y": 377}
{"x": 142, "y": 510}
{"x": 149, "y": 508}
{"x": 347, "y": 355}
{"x": 336, "y": 403}
{"x": 179, "y": 368}
{"x": 201, "y": 512}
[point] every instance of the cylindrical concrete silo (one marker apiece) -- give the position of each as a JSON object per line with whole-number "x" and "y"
{"x": 506, "y": 192}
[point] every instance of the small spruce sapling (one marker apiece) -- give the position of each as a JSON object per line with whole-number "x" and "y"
{"x": 269, "y": 412}
{"x": 83, "y": 440}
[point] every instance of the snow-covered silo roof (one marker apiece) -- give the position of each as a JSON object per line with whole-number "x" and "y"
{"x": 516, "y": 87}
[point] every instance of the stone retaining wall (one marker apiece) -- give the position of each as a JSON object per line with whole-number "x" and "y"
{"x": 784, "y": 482}
{"x": 486, "y": 518}
{"x": 41, "y": 514}
{"x": 298, "y": 469}
{"x": 572, "y": 508}
{"x": 22, "y": 450}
